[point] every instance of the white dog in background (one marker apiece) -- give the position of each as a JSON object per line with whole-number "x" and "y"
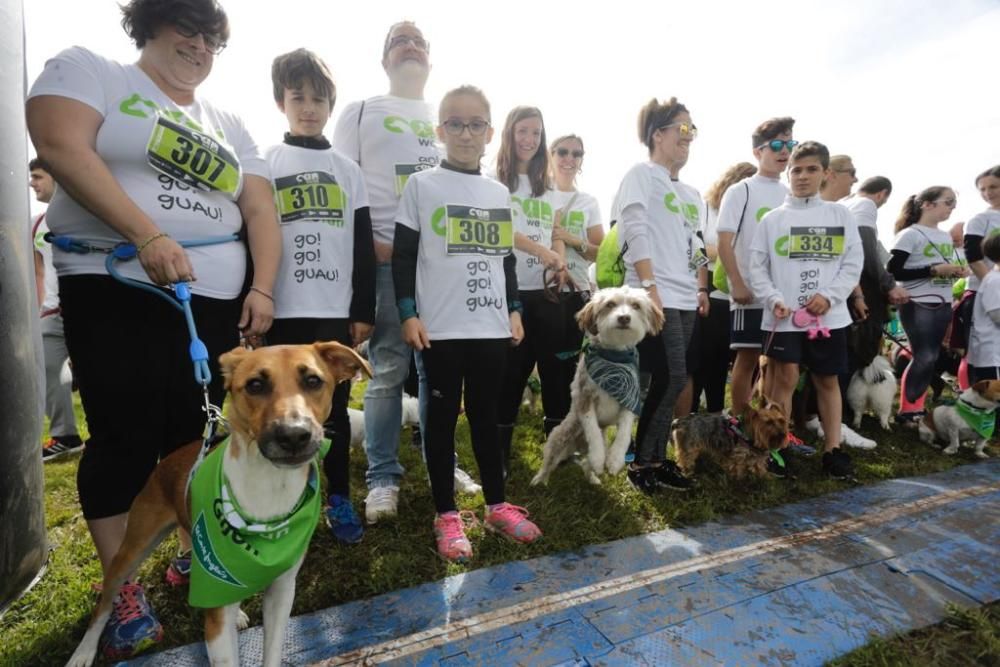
{"x": 946, "y": 423}
{"x": 614, "y": 321}
{"x": 873, "y": 388}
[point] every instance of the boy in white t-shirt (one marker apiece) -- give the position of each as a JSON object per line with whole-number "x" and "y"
{"x": 325, "y": 289}
{"x": 984, "y": 340}
{"x": 805, "y": 261}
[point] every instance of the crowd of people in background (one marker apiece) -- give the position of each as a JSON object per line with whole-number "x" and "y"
{"x": 393, "y": 234}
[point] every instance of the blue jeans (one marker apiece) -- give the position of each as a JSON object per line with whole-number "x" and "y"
{"x": 390, "y": 359}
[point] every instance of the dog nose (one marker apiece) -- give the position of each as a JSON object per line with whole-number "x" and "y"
{"x": 291, "y": 437}
{"x": 624, "y": 319}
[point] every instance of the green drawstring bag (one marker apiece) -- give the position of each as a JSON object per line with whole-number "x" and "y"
{"x": 720, "y": 280}
{"x": 610, "y": 264}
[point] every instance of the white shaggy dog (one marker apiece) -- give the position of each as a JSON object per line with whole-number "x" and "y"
{"x": 614, "y": 321}
{"x": 873, "y": 387}
{"x": 954, "y": 423}
{"x": 411, "y": 417}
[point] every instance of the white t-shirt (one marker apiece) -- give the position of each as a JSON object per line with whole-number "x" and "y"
{"x": 667, "y": 214}
{"x": 864, "y": 210}
{"x": 584, "y": 214}
{"x": 461, "y": 294}
{"x": 51, "y": 282}
{"x": 765, "y": 194}
{"x": 533, "y": 217}
{"x": 984, "y": 224}
{"x": 317, "y": 193}
{"x": 926, "y": 246}
{"x": 984, "y": 339}
{"x": 804, "y": 247}
{"x": 710, "y": 235}
{"x": 133, "y": 107}
{"x": 395, "y": 139}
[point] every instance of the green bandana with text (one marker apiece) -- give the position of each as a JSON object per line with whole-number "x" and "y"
{"x": 980, "y": 420}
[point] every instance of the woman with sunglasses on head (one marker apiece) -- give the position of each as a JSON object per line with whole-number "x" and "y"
{"x": 663, "y": 255}
{"x": 142, "y": 158}
{"x": 926, "y": 265}
{"x": 523, "y": 166}
{"x": 578, "y": 226}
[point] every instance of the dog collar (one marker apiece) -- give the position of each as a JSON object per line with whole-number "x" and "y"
{"x": 616, "y": 372}
{"x": 235, "y": 556}
{"x": 981, "y": 420}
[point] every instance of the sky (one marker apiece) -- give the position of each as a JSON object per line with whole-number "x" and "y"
{"x": 907, "y": 88}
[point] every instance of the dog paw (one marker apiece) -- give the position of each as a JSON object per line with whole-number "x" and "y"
{"x": 538, "y": 479}
{"x": 982, "y": 455}
{"x": 242, "y": 620}
{"x": 615, "y": 466}
{"x": 593, "y": 478}
{"x": 950, "y": 450}
{"x": 80, "y": 660}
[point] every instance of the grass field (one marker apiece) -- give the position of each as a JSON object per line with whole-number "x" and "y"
{"x": 44, "y": 626}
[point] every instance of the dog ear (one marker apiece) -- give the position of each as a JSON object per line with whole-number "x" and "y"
{"x": 228, "y": 362}
{"x": 344, "y": 362}
{"x": 587, "y": 317}
{"x": 654, "y": 316}
{"x": 981, "y": 387}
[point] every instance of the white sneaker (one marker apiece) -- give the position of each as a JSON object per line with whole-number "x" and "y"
{"x": 464, "y": 482}
{"x": 848, "y": 436}
{"x": 381, "y": 503}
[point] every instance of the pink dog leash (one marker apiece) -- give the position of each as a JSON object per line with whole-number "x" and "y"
{"x": 802, "y": 318}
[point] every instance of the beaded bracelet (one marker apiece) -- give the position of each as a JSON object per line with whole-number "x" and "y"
{"x": 142, "y": 246}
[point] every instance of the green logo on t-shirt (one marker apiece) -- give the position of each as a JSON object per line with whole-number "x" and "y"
{"x": 689, "y": 211}
{"x": 939, "y": 250}
{"x": 538, "y": 212}
{"x": 140, "y": 107}
{"x": 400, "y": 125}
{"x": 761, "y": 212}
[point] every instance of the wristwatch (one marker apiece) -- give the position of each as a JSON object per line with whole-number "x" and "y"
{"x": 646, "y": 284}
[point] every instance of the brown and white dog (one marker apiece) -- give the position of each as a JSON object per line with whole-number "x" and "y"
{"x": 945, "y": 423}
{"x": 279, "y": 398}
{"x": 615, "y": 319}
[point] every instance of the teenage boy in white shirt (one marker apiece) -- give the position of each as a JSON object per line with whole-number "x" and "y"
{"x": 806, "y": 260}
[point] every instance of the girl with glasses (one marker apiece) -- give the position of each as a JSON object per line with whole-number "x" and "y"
{"x": 926, "y": 265}
{"x": 660, "y": 216}
{"x": 523, "y": 167}
{"x": 456, "y": 293}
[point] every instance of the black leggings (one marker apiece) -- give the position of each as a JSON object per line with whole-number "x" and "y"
{"x": 544, "y": 337}
{"x": 303, "y": 331}
{"x": 447, "y": 364}
{"x": 130, "y": 357}
{"x": 711, "y": 337}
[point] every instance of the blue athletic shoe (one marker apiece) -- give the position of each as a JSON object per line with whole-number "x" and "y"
{"x": 344, "y": 522}
{"x": 132, "y": 627}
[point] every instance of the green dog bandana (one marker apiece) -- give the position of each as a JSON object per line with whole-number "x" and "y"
{"x": 235, "y": 555}
{"x": 980, "y": 420}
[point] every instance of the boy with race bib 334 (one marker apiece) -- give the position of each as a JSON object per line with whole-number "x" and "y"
{"x": 325, "y": 289}
{"x": 456, "y": 290}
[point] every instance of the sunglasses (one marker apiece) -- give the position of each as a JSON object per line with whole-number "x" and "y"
{"x": 777, "y": 144}
{"x": 947, "y": 202}
{"x": 455, "y": 127}
{"x": 685, "y": 129}
{"x": 213, "y": 42}
{"x": 563, "y": 152}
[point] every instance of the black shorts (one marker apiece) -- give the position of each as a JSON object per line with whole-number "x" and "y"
{"x": 744, "y": 328}
{"x": 822, "y": 356}
{"x": 977, "y": 373}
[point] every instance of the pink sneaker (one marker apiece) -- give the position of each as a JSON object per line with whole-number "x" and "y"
{"x": 452, "y": 544}
{"x": 511, "y": 521}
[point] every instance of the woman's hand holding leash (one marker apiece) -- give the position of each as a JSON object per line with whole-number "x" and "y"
{"x": 164, "y": 260}
{"x": 781, "y": 311}
{"x": 415, "y": 335}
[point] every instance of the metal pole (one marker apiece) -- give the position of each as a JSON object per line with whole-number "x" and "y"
{"x": 23, "y": 544}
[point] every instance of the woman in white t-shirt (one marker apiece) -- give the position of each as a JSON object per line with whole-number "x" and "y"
{"x": 925, "y": 264}
{"x": 710, "y": 342}
{"x": 141, "y": 157}
{"x": 660, "y": 217}
{"x": 577, "y": 225}
{"x": 523, "y": 166}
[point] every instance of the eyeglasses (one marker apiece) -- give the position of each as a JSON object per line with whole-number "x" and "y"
{"x": 455, "y": 127}
{"x": 950, "y": 203}
{"x": 777, "y": 144}
{"x": 563, "y": 152}
{"x": 213, "y": 42}
{"x": 852, "y": 171}
{"x": 685, "y": 129}
{"x": 401, "y": 40}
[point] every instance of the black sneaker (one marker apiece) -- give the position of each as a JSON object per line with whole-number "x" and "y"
{"x": 61, "y": 446}
{"x": 416, "y": 439}
{"x": 642, "y": 479}
{"x": 837, "y": 464}
{"x": 668, "y": 475}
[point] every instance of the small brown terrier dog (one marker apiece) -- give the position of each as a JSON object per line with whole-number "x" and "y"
{"x": 740, "y": 448}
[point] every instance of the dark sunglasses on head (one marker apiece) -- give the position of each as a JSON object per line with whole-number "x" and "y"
{"x": 563, "y": 152}
{"x": 777, "y": 144}
{"x": 213, "y": 42}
